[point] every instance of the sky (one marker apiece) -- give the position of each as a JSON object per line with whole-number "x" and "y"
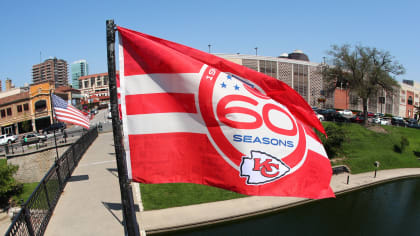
{"x": 33, "y": 31}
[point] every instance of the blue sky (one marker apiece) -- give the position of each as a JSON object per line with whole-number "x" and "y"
{"x": 73, "y": 30}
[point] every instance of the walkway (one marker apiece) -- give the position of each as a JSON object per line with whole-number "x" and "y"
{"x": 91, "y": 203}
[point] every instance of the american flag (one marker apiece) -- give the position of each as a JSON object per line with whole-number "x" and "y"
{"x": 67, "y": 113}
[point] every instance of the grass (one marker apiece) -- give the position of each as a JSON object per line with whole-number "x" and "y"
{"x": 362, "y": 147}
{"x": 159, "y": 196}
{"x": 28, "y": 188}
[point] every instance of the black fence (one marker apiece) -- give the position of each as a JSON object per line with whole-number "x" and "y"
{"x": 37, "y": 210}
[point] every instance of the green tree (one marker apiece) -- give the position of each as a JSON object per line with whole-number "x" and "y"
{"x": 363, "y": 70}
{"x": 8, "y": 185}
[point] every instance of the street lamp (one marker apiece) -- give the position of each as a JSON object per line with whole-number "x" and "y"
{"x": 209, "y": 47}
{"x": 256, "y": 51}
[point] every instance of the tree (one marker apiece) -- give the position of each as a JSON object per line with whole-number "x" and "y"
{"x": 363, "y": 70}
{"x": 8, "y": 185}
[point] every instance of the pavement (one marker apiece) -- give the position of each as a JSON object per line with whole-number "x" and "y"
{"x": 91, "y": 204}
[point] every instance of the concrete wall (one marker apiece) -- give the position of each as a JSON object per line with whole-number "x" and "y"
{"x": 34, "y": 166}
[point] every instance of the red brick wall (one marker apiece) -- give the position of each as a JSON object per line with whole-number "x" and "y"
{"x": 341, "y": 99}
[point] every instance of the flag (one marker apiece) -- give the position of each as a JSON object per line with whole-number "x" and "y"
{"x": 67, "y": 113}
{"x": 192, "y": 117}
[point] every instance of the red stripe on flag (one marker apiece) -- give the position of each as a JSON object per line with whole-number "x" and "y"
{"x": 171, "y": 61}
{"x": 160, "y": 103}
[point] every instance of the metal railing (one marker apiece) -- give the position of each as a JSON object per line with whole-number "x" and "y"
{"x": 37, "y": 210}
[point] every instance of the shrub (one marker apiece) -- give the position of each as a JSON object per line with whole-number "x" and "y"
{"x": 333, "y": 143}
{"x": 8, "y": 185}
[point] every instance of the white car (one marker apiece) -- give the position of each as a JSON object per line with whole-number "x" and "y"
{"x": 7, "y": 139}
{"x": 320, "y": 117}
{"x": 346, "y": 112}
{"x": 385, "y": 121}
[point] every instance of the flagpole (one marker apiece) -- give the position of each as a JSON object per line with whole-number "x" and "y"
{"x": 55, "y": 139}
{"x": 129, "y": 215}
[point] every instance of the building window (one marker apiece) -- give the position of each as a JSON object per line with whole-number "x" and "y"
{"x": 80, "y": 84}
{"x": 92, "y": 81}
{"x": 410, "y": 100}
{"x": 300, "y": 79}
{"x": 9, "y": 111}
{"x": 25, "y": 107}
{"x": 106, "y": 80}
{"x": 3, "y": 113}
{"x": 98, "y": 82}
{"x": 86, "y": 82}
{"x": 19, "y": 108}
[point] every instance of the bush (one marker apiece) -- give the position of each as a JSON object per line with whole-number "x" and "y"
{"x": 404, "y": 143}
{"x": 333, "y": 143}
{"x": 8, "y": 185}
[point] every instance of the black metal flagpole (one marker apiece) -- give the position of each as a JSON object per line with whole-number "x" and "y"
{"x": 52, "y": 114}
{"x": 130, "y": 222}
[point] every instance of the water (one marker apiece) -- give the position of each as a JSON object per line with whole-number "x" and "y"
{"x": 388, "y": 209}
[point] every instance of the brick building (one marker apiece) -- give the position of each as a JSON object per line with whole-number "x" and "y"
{"x": 51, "y": 70}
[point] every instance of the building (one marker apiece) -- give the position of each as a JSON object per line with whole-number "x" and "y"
{"x": 29, "y": 109}
{"x": 294, "y": 69}
{"x": 9, "y": 84}
{"x": 70, "y": 94}
{"x": 15, "y": 114}
{"x": 51, "y": 70}
{"x": 94, "y": 90}
{"x": 78, "y": 68}
{"x": 0, "y": 87}
{"x": 306, "y": 78}
{"x": 409, "y": 99}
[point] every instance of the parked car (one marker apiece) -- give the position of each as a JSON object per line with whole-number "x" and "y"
{"x": 357, "y": 119}
{"x": 7, "y": 139}
{"x": 56, "y": 126}
{"x": 346, "y": 112}
{"x": 385, "y": 121}
{"x": 320, "y": 117}
{"x": 398, "y": 121}
{"x": 33, "y": 138}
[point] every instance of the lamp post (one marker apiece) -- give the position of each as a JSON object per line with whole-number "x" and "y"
{"x": 209, "y": 48}
{"x": 256, "y": 51}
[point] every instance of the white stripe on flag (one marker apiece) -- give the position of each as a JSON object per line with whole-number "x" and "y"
{"x": 162, "y": 83}
{"x": 315, "y": 146}
{"x": 165, "y": 123}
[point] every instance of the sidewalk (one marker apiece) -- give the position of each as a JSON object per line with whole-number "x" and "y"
{"x": 91, "y": 203}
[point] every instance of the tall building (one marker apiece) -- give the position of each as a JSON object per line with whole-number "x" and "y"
{"x": 78, "y": 69}
{"x": 9, "y": 84}
{"x": 51, "y": 70}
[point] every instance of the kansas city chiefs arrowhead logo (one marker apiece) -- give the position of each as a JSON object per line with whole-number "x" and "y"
{"x": 262, "y": 168}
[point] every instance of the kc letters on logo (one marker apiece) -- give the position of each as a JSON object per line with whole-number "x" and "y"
{"x": 255, "y": 134}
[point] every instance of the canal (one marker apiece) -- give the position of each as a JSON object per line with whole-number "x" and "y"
{"x": 388, "y": 209}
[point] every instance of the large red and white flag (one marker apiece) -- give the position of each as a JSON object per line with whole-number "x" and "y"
{"x": 189, "y": 116}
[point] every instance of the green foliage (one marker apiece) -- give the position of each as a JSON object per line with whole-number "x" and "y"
{"x": 404, "y": 143}
{"x": 27, "y": 190}
{"x": 363, "y": 147}
{"x": 336, "y": 137}
{"x": 8, "y": 185}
